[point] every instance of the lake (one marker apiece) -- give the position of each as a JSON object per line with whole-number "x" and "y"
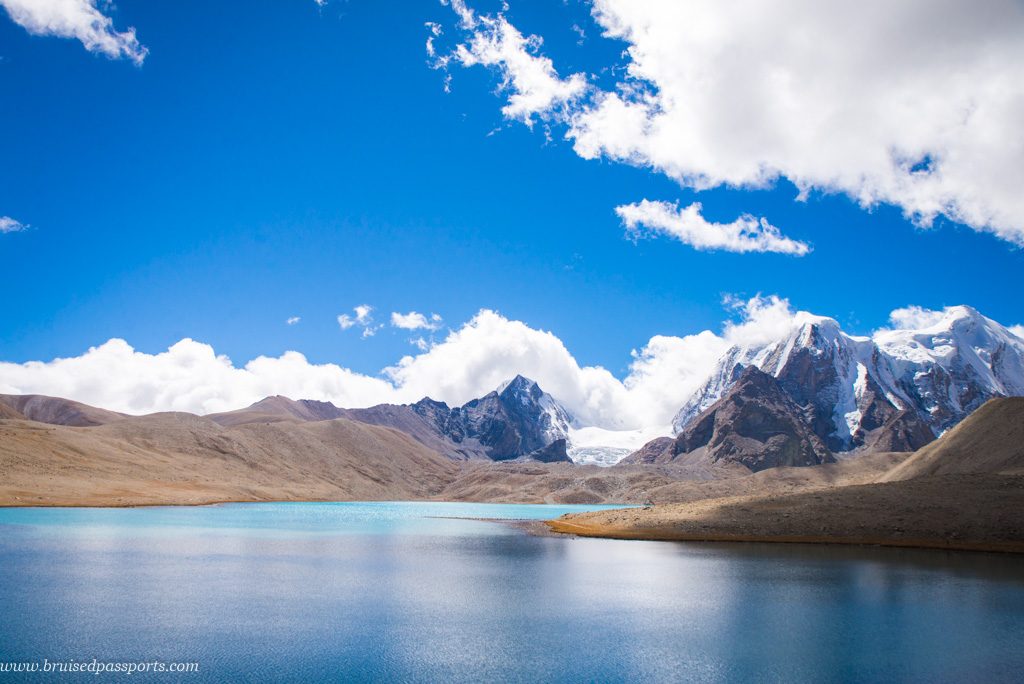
{"x": 418, "y": 592}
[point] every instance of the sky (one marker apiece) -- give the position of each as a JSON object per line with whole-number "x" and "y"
{"x": 373, "y": 200}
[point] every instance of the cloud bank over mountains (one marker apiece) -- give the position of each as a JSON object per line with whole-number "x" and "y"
{"x": 915, "y": 104}
{"x": 469, "y": 362}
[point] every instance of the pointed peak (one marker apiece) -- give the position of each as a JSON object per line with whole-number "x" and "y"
{"x": 520, "y": 383}
{"x": 427, "y": 402}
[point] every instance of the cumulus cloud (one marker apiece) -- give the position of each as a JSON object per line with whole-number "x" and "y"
{"x": 915, "y": 104}
{"x": 688, "y": 225}
{"x": 532, "y": 85}
{"x": 76, "y": 19}
{"x": 415, "y": 321}
{"x": 189, "y": 376}
{"x": 9, "y": 225}
{"x": 762, "y": 319}
{"x": 471, "y": 361}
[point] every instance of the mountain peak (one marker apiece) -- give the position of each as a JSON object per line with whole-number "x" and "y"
{"x": 520, "y": 384}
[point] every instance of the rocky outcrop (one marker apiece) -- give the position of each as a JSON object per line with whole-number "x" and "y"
{"x": 756, "y": 424}
{"x": 552, "y": 453}
{"x": 658, "y": 450}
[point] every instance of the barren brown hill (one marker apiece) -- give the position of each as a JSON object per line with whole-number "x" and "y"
{"x": 57, "y": 411}
{"x": 9, "y": 413}
{"x": 176, "y": 458}
{"x": 276, "y": 408}
{"x": 990, "y": 440}
{"x": 186, "y": 459}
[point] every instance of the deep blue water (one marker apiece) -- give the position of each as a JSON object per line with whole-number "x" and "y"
{"x": 398, "y": 592}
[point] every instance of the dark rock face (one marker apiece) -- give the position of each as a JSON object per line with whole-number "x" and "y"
{"x": 552, "y": 453}
{"x": 756, "y": 424}
{"x": 902, "y": 432}
{"x": 652, "y": 452}
{"x": 517, "y": 421}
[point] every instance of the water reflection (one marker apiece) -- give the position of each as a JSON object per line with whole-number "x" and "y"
{"x": 387, "y": 592}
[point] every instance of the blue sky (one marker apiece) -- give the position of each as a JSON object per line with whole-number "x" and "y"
{"x": 292, "y": 160}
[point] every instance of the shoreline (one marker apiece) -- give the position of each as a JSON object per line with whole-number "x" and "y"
{"x": 568, "y": 529}
{"x": 220, "y": 502}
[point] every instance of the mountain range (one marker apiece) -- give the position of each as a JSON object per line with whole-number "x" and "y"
{"x": 895, "y": 391}
{"x": 812, "y": 396}
{"x": 818, "y": 394}
{"x": 517, "y": 420}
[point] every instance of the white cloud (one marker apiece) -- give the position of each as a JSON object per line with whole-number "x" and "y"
{"x": 293, "y": 320}
{"x": 532, "y": 84}
{"x": 688, "y": 225}
{"x": 915, "y": 318}
{"x": 1017, "y": 330}
{"x": 76, "y": 19}
{"x": 361, "y": 317}
{"x": 189, "y": 376}
{"x": 415, "y": 321}
{"x": 9, "y": 225}
{"x": 470, "y": 362}
{"x": 763, "y": 320}
{"x": 915, "y": 104}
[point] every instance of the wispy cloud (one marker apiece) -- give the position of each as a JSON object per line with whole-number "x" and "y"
{"x": 362, "y": 317}
{"x": 293, "y": 320}
{"x": 688, "y": 225}
{"x": 533, "y": 86}
{"x": 415, "y": 321}
{"x": 76, "y": 19}
{"x": 9, "y": 225}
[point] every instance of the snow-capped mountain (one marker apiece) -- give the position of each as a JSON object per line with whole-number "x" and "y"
{"x": 895, "y": 391}
{"x": 955, "y": 364}
{"x": 513, "y": 421}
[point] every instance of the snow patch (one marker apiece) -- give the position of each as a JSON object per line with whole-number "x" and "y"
{"x": 597, "y": 446}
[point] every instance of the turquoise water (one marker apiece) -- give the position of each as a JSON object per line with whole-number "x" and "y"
{"x": 405, "y": 592}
